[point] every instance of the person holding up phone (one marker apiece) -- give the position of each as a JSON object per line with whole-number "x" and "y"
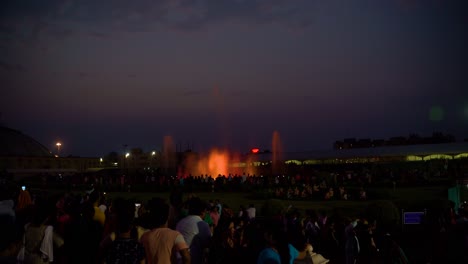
{"x": 24, "y": 199}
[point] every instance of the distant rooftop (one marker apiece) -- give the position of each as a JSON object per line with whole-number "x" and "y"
{"x": 386, "y": 151}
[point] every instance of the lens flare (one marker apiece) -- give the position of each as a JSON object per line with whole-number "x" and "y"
{"x": 436, "y": 113}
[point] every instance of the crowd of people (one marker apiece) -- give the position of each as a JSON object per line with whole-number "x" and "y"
{"x": 88, "y": 228}
{"x": 294, "y": 182}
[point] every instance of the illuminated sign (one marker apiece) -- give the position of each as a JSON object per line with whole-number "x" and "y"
{"x": 412, "y": 218}
{"x": 255, "y": 150}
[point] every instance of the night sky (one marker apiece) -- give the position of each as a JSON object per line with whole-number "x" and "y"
{"x": 97, "y": 74}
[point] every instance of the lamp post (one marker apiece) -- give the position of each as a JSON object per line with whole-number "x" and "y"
{"x": 153, "y": 155}
{"x": 127, "y": 163}
{"x": 58, "y": 144}
{"x": 124, "y": 158}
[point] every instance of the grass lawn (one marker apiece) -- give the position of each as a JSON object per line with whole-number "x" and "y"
{"x": 411, "y": 198}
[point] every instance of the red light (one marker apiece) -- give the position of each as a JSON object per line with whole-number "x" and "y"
{"x": 255, "y": 150}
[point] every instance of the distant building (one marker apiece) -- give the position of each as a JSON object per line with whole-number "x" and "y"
{"x": 384, "y": 154}
{"x": 364, "y": 143}
{"x": 413, "y": 139}
{"x": 378, "y": 143}
{"x": 22, "y": 156}
{"x": 397, "y": 141}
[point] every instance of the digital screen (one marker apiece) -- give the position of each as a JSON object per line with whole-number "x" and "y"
{"x": 412, "y": 218}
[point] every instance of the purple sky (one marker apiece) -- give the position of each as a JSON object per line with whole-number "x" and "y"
{"x": 99, "y": 74}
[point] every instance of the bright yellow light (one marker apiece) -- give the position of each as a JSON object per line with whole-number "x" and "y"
{"x": 437, "y": 156}
{"x": 153, "y": 153}
{"x": 413, "y": 158}
{"x": 100, "y": 159}
{"x": 127, "y": 155}
{"x": 297, "y": 162}
{"x": 461, "y": 155}
{"x": 309, "y": 162}
{"x": 58, "y": 144}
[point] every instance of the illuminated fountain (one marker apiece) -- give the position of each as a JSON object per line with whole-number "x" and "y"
{"x": 276, "y": 150}
{"x": 168, "y": 154}
{"x": 215, "y": 163}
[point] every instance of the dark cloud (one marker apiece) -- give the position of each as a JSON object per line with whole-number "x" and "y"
{"x": 145, "y": 15}
{"x": 61, "y": 32}
{"x": 20, "y": 18}
{"x": 12, "y": 67}
{"x": 29, "y": 8}
{"x": 192, "y": 15}
{"x": 6, "y": 28}
{"x": 194, "y": 92}
{"x": 9, "y": 32}
{"x": 39, "y": 27}
{"x": 101, "y": 35}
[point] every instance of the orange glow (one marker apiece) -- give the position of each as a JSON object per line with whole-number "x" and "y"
{"x": 255, "y": 150}
{"x": 215, "y": 163}
{"x": 168, "y": 152}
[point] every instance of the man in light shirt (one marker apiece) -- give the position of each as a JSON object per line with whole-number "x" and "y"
{"x": 161, "y": 243}
{"x": 196, "y": 232}
{"x": 251, "y": 212}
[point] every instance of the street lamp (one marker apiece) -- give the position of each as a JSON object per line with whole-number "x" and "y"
{"x": 153, "y": 154}
{"x": 126, "y": 163}
{"x": 58, "y": 144}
